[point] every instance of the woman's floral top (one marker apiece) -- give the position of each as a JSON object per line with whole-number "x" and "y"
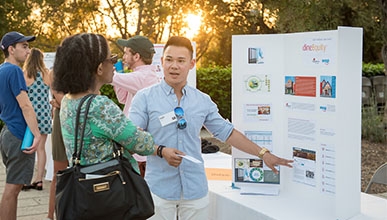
{"x": 105, "y": 123}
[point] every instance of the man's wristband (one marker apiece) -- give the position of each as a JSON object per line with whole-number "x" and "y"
{"x": 263, "y": 152}
{"x": 160, "y": 151}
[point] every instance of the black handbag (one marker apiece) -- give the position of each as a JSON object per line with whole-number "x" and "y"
{"x": 110, "y": 190}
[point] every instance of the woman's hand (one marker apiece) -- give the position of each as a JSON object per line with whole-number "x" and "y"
{"x": 54, "y": 103}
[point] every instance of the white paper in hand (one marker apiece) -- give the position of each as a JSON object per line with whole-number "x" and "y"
{"x": 190, "y": 158}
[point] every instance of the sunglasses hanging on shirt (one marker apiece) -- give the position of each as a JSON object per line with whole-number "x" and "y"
{"x": 181, "y": 122}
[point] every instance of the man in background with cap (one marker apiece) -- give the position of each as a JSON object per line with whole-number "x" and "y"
{"x": 17, "y": 113}
{"x": 138, "y": 55}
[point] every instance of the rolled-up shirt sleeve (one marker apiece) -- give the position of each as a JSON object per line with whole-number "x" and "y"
{"x": 216, "y": 124}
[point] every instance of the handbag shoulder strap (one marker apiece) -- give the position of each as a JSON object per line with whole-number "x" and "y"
{"x": 77, "y": 153}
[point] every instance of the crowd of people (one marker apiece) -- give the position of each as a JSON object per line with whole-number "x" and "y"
{"x": 160, "y": 122}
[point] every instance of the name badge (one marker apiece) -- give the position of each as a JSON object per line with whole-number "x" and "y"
{"x": 167, "y": 118}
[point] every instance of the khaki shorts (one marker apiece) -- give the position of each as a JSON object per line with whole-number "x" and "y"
{"x": 19, "y": 166}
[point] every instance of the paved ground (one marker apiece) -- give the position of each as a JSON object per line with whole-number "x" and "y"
{"x": 32, "y": 204}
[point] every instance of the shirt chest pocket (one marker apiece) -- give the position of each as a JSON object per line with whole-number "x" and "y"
{"x": 195, "y": 122}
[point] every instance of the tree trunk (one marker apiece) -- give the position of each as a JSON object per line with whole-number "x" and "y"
{"x": 384, "y": 49}
{"x": 384, "y": 57}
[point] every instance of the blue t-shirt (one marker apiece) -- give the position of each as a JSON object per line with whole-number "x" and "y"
{"x": 12, "y": 82}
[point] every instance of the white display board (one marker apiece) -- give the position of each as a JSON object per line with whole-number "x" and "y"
{"x": 49, "y": 59}
{"x": 300, "y": 96}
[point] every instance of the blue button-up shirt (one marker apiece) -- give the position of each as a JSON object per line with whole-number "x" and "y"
{"x": 188, "y": 181}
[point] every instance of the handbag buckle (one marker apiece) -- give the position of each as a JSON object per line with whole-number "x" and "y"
{"x": 99, "y": 187}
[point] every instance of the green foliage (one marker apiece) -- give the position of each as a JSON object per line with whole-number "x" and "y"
{"x": 216, "y": 82}
{"x": 372, "y": 126}
{"x": 53, "y": 20}
{"x": 14, "y": 16}
{"x": 108, "y": 90}
{"x": 318, "y": 15}
{"x": 370, "y": 69}
{"x": 1, "y": 124}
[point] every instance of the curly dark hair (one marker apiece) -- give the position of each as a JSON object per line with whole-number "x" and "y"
{"x": 76, "y": 62}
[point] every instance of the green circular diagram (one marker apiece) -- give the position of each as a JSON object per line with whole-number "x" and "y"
{"x": 253, "y": 83}
{"x": 256, "y": 174}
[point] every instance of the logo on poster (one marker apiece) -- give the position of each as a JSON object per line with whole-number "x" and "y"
{"x": 325, "y": 61}
{"x": 314, "y": 47}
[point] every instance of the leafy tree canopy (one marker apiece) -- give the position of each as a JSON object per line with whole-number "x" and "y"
{"x": 53, "y": 20}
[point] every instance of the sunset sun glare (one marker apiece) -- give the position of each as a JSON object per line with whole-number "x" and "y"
{"x": 194, "y": 21}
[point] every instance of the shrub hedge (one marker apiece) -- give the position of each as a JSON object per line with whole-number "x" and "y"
{"x": 216, "y": 82}
{"x": 370, "y": 69}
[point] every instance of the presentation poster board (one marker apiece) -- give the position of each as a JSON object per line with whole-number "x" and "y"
{"x": 48, "y": 59}
{"x": 299, "y": 95}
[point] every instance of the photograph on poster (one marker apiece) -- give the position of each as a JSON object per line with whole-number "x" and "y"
{"x": 264, "y": 110}
{"x": 319, "y": 52}
{"x": 255, "y": 55}
{"x": 300, "y": 85}
{"x": 328, "y": 167}
{"x": 257, "y": 112}
{"x": 301, "y": 129}
{"x": 289, "y": 85}
{"x": 328, "y": 86}
{"x": 257, "y": 83}
{"x": 250, "y": 170}
{"x": 304, "y": 166}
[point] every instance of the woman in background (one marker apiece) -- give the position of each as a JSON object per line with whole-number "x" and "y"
{"x": 38, "y": 82}
{"x": 58, "y": 149}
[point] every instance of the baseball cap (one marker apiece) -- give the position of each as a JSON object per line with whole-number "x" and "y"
{"x": 139, "y": 44}
{"x": 14, "y": 37}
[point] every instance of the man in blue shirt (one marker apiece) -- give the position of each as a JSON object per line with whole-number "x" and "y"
{"x": 17, "y": 113}
{"x": 174, "y": 114}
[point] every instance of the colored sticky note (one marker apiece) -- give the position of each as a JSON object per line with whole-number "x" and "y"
{"x": 218, "y": 174}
